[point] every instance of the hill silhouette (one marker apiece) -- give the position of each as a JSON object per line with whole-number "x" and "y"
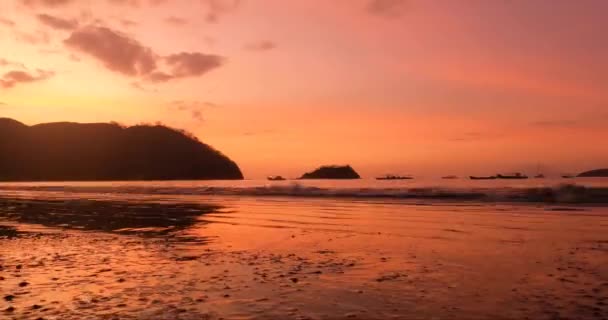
{"x": 104, "y": 151}
{"x": 597, "y": 173}
{"x": 332, "y": 172}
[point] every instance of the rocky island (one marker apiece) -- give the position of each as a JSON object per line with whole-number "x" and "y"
{"x": 597, "y": 173}
{"x": 332, "y": 172}
{"x": 66, "y": 151}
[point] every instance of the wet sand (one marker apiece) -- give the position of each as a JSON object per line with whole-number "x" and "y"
{"x": 288, "y": 258}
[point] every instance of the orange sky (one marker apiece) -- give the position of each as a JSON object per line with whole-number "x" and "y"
{"x": 401, "y": 86}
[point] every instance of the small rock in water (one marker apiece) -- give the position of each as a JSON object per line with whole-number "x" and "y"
{"x": 18, "y": 267}
{"x": 9, "y": 297}
{"x": 9, "y": 309}
{"x": 121, "y": 280}
{"x": 23, "y": 284}
{"x": 36, "y": 307}
{"x": 294, "y": 280}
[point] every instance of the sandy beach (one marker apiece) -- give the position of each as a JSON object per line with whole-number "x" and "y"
{"x": 268, "y": 258}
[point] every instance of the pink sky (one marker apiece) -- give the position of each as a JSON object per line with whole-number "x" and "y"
{"x": 422, "y": 87}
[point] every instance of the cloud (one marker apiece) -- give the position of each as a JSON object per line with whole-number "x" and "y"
{"x": 139, "y": 86}
{"x": 3, "y": 103}
{"x": 7, "y": 22}
{"x": 197, "y": 115}
{"x": 8, "y": 63}
{"x": 128, "y": 23}
{"x": 120, "y": 53}
{"x": 194, "y": 108}
{"x": 14, "y": 77}
{"x": 386, "y": 8}
{"x": 38, "y": 37}
{"x": 50, "y": 51}
{"x": 475, "y": 136}
{"x": 63, "y": 3}
{"x": 136, "y": 3}
{"x": 115, "y": 50}
{"x": 192, "y": 64}
{"x": 258, "y": 133}
{"x": 263, "y": 45}
{"x": 132, "y": 3}
{"x": 47, "y": 3}
{"x": 555, "y": 123}
{"x": 176, "y": 21}
{"x": 218, "y": 8}
{"x": 57, "y": 23}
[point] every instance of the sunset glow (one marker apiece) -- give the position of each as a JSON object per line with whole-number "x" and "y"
{"x": 465, "y": 87}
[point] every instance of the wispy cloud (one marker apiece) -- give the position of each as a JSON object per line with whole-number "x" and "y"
{"x": 128, "y": 23}
{"x": 15, "y": 77}
{"x": 386, "y": 8}
{"x": 57, "y": 23}
{"x": 218, "y": 8}
{"x": 9, "y": 63}
{"x": 555, "y": 123}
{"x": 34, "y": 38}
{"x": 7, "y": 22}
{"x": 474, "y": 136}
{"x": 194, "y": 108}
{"x": 47, "y": 3}
{"x": 137, "y": 3}
{"x": 176, "y": 21}
{"x": 263, "y": 45}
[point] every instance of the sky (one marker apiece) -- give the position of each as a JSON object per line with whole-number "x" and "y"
{"x": 424, "y": 87}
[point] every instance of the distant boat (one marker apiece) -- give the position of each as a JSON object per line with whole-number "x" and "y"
{"x": 276, "y": 178}
{"x": 567, "y": 176}
{"x": 513, "y": 176}
{"x": 482, "y": 178}
{"x": 538, "y": 174}
{"x": 449, "y": 177}
{"x": 394, "y": 177}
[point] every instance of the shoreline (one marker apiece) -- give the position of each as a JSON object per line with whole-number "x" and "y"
{"x": 261, "y": 258}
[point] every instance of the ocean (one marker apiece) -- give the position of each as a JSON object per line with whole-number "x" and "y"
{"x": 549, "y": 190}
{"x": 254, "y": 249}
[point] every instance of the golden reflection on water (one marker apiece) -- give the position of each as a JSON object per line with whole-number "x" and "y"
{"x": 229, "y": 257}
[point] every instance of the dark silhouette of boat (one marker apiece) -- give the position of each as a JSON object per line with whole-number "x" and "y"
{"x": 449, "y": 177}
{"x": 394, "y": 177}
{"x": 276, "y": 178}
{"x": 482, "y": 178}
{"x": 567, "y": 176}
{"x": 539, "y": 175}
{"x": 513, "y": 176}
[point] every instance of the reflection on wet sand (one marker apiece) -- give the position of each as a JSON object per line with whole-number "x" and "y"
{"x": 300, "y": 259}
{"x": 109, "y": 216}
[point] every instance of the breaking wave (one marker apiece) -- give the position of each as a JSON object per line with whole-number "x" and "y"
{"x": 575, "y": 194}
